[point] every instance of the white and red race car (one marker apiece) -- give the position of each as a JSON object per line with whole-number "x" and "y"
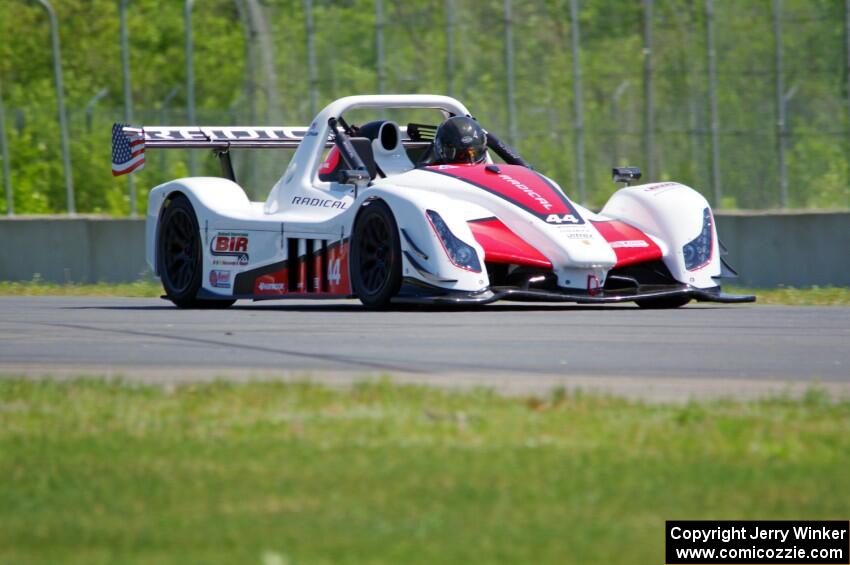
{"x": 359, "y": 212}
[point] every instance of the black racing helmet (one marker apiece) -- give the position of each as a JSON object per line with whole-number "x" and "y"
{"x": 460, "y": 140}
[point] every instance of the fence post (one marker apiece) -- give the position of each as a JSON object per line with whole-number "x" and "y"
{"x": 509, "y": 73}
{"x": 60, "y": 102}
{"x": 712, "y": 102}
{"x": 311, "y": 56}
{"x": 847, "y": 41}
{"x": 648, "y": 100}
{"x": 260, "y": 30}
{"x": 379, "y": 44}
{"x": 244, "y": 163}
{"x": 780, "y": 103}
{"x": 450, "y": 46}
{"x": 616, "y": 113}
{"x": 4, "y": 144}
{"x": 128, "y": 95}
{"x": 90, "y": 107}
{"x": 163, "y": 119}
{"x": 579, "y": 109}
{"x": 190, "y": 79}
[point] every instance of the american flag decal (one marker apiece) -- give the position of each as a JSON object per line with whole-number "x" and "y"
{"x": 128, "y": 149}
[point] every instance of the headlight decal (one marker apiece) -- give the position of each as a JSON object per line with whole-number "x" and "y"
{"x": 698, "y": 251}
{"x": 459, "y": 252}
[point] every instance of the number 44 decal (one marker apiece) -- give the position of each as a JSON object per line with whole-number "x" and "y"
{"x": 561, "y": 219}
{"x": 334, "y": 274}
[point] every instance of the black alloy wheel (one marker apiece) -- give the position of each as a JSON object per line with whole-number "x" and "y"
{"x": 375, "y": 255}
{"x": 179, "y": 260}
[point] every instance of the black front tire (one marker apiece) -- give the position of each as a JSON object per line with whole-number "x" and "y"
{"x": 180, "y": 257}
{"x": 375, "y": 255}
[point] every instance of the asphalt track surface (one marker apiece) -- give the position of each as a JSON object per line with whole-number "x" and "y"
{"x": 699, "y": 350}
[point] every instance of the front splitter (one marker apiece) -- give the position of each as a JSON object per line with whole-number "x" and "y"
{"x": 419, "y": 295}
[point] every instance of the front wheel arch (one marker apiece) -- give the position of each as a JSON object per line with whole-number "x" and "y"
{"x": 375, "y": 265}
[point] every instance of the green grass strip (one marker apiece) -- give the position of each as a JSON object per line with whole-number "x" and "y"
{"x": 812, "y": 296}
{"x": 790, "y": 296}
{"x": 97, "y": 472}
{"x": 144, "y": 288}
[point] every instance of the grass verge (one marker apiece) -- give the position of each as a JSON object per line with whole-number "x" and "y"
{"x": 812, "y": 296}
{"x": 790, "y": 296}
{"x": 144, "y": 288}
{"x": 97, "y": 472}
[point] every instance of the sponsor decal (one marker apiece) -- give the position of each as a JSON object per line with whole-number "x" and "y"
{"x": 577, "y": 234}
{"x": 660, "y": 185}
{"x": 318, "y": 202}
{"x": 229, "y": 248}
{"x": 661, "y": 188}
{"x": 535, "y": 196}
{"x": 220, "y": 278}
{"x": 273, "y": 283}
{"x": 224, "y": 133}
{"x": 629, "y": 243}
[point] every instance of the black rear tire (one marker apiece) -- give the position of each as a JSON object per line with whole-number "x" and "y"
{"x": 375, "y": 255}
{"x": 180, "y": 258}
{"x": 663, "y": 303}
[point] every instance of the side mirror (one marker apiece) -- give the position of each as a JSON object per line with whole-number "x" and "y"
{"x": 358, "y": 177}
{"x": 625, "y": 175}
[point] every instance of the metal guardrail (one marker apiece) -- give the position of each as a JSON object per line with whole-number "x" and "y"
{"x": 92, "y": 249}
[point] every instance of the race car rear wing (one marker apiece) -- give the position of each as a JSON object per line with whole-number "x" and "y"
{"x": 130, "y": 142}
{"x": 253, "y": 137}
{"x": 189, "y": 137}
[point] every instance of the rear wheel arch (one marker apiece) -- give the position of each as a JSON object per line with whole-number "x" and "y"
{"x": 179, "y": 260}
{"x": 166, "y": 202}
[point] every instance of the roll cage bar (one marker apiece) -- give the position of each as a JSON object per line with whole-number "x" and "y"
{"x": 222, "y": 139}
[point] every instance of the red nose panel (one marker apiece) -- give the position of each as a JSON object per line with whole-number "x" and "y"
{"x": 501, "y": 245}
{"x": 629, "y": 243}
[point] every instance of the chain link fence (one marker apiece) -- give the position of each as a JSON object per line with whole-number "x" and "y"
{"x": 748, "y": 102}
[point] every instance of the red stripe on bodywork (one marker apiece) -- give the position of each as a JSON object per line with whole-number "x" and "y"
{"x": 629, "y": 243}
{"x": 514, "y": 183}
{"x": 501, "y": 245}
